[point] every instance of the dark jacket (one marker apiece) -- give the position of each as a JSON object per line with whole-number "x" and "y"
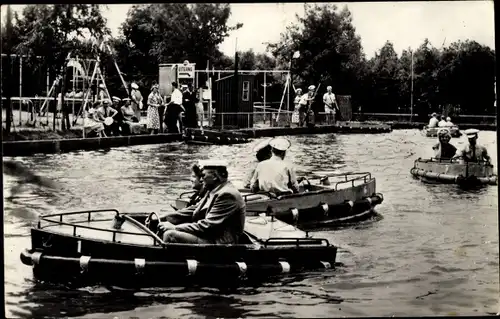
{"x": 222, "y": 222}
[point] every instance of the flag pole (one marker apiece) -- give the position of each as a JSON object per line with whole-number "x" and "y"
{"x": 411, "y": 89}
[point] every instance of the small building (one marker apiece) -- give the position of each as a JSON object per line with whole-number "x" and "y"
{"x": 238, "y": 106}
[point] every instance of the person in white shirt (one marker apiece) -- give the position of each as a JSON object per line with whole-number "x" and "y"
{"x": 448, "y": 122}
{"x": 433, "y": 121}
{"x": 442, "y": 122}
{"x": 275, "y": 175}
{"x": 173, "y": 110}
{"x": 306, "y": 112}
{"x": 330, "y": 105}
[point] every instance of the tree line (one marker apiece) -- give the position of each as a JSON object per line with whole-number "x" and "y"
{"x": 460, "y": 75}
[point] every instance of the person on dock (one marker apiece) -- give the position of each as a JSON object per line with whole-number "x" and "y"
{"x": 188, "y": 103}
{"x": 131, "y": 123}
{"x": 105, "y": 115}
{"x": 448, "y": 122}
{"x": 444, "y": 150}
{"x": 219, "y": 218}
{"x": 433, "y": 122}
{"x": 296, "y": 116}
{"x": 306, "y": 107}
{"x": 154, "y": 102}
{"x": 136, "y": 100}
{"x": 473, "y": 152}
{"x": 91, "y": 123}
{"x": 262, "y": 152}
{"x": 275, "y": 175}
{"x": 331, "y": 105}
{"x": 199, "y": 108}
{"x": 173, "y": 110}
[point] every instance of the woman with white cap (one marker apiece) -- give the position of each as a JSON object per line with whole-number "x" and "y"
{"x": 154, "y": 102}
{"x": 306, "y": 112}
{"x": 136, "y": 100}
{"x": 275, "y": 175}
{"x": 443, "y": 149}
{"x": 262, "y": 152}
{"x": 473, "y": 152}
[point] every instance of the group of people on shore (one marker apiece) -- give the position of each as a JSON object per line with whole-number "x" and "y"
{"x": 216, "y": 212}
{"x": 115, "y": 116}
{"x": 308, "y": 107}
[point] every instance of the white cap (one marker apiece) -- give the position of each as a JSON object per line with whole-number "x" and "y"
{"x": 280, "y": 143}
{"x": 106, "y": 101}
{"x": 116, "y": 99}
{"x": 329, "y": 87}
{"x": 298, "y": 89}
{"x": 101, "y": 86}
{"x": 471, "y": 132}
{"x": 448, "y": 118}
{"x": 134, "y": 86}
{"x": 262, "y": 144}
{"x": 311, "y": 87}
{"x": 212, "y": 163}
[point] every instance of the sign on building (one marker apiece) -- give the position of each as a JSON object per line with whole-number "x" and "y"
{"x": 185, "y": 71}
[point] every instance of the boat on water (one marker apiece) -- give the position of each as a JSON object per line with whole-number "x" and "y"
{"x": 210, "y": 137}
{"x": 106, "y": 247}
{"x": 454, "y": 172}
{"x": 323, "y": 201}
{"x": 433, "y": 131}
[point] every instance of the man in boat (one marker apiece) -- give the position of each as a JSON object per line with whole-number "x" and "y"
{"x": 196, "y": 181}
{"x": 473, "y": 152}
{"x": 262, "y": 152}
{"x": 433, "y": 122}
{"x": 219, "y": 218}
{"x": 443, "y": 149}
{"x": 275, "y": 175}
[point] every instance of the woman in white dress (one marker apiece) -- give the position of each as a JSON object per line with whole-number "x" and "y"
{"x": 154, "y": 102}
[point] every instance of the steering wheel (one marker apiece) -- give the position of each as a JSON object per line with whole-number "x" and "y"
{"x": 308, "y": 186}
{"x": 152, "y": 222}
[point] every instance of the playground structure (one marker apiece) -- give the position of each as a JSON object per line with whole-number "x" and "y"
{"x": 33, "y": 111}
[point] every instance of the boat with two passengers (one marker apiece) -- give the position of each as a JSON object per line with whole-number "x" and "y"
{"x": 106, "y": 247}
{"x": 323, "y": 201}
{"x": 454, "y": 171}
{"x": 433, "y": 131}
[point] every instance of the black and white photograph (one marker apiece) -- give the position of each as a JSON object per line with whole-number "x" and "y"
{"x": 250, "y": 160}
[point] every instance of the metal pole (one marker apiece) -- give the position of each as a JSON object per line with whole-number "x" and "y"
{"x": 20, "y": 88}
{"x": 265, "y": 87}
{"x": 411, "y": 89}
{"x": 288, "y": 96}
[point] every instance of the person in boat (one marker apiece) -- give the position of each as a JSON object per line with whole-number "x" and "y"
{"x": 473, "y": 152}
{"x": 442, "y": 122}
{"x": 275, "y": 175}
{"x": 196, "y": 181}
{"x": 443, "y": 149}
{"x": 433, "y": 122}
{"x": 449, "y": 123}
{"x": 219, "y": 217}
{"x": 262, "y": 152}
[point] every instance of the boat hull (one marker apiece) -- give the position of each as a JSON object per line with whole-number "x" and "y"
{"x": 433, "y": 131}
{"x": 78, "y": 254}
{"x": 454, "y": 172}
{"x": 210, "y": 137}
{"x": 353, "y": 203}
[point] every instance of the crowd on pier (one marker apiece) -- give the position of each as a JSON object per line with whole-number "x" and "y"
{"x": 116, "y": 117}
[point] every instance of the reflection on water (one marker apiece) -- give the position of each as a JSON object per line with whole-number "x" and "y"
{"x": 435, "y": 252}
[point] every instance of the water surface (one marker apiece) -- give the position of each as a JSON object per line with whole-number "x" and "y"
{"x": 435, "y": 252}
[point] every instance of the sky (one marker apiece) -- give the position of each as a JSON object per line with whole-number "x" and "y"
{"x": 405, "y": 24}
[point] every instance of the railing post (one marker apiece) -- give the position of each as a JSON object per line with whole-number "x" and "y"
{"x": 222, "y": 120}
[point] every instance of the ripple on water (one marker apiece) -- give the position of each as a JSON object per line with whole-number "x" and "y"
{"x": 432, "y": 238}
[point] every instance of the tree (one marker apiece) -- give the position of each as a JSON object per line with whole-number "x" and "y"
{"x": 54, "y": 31}
{"x": 330, "y": 50}
{"x": 174, "y": 32}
